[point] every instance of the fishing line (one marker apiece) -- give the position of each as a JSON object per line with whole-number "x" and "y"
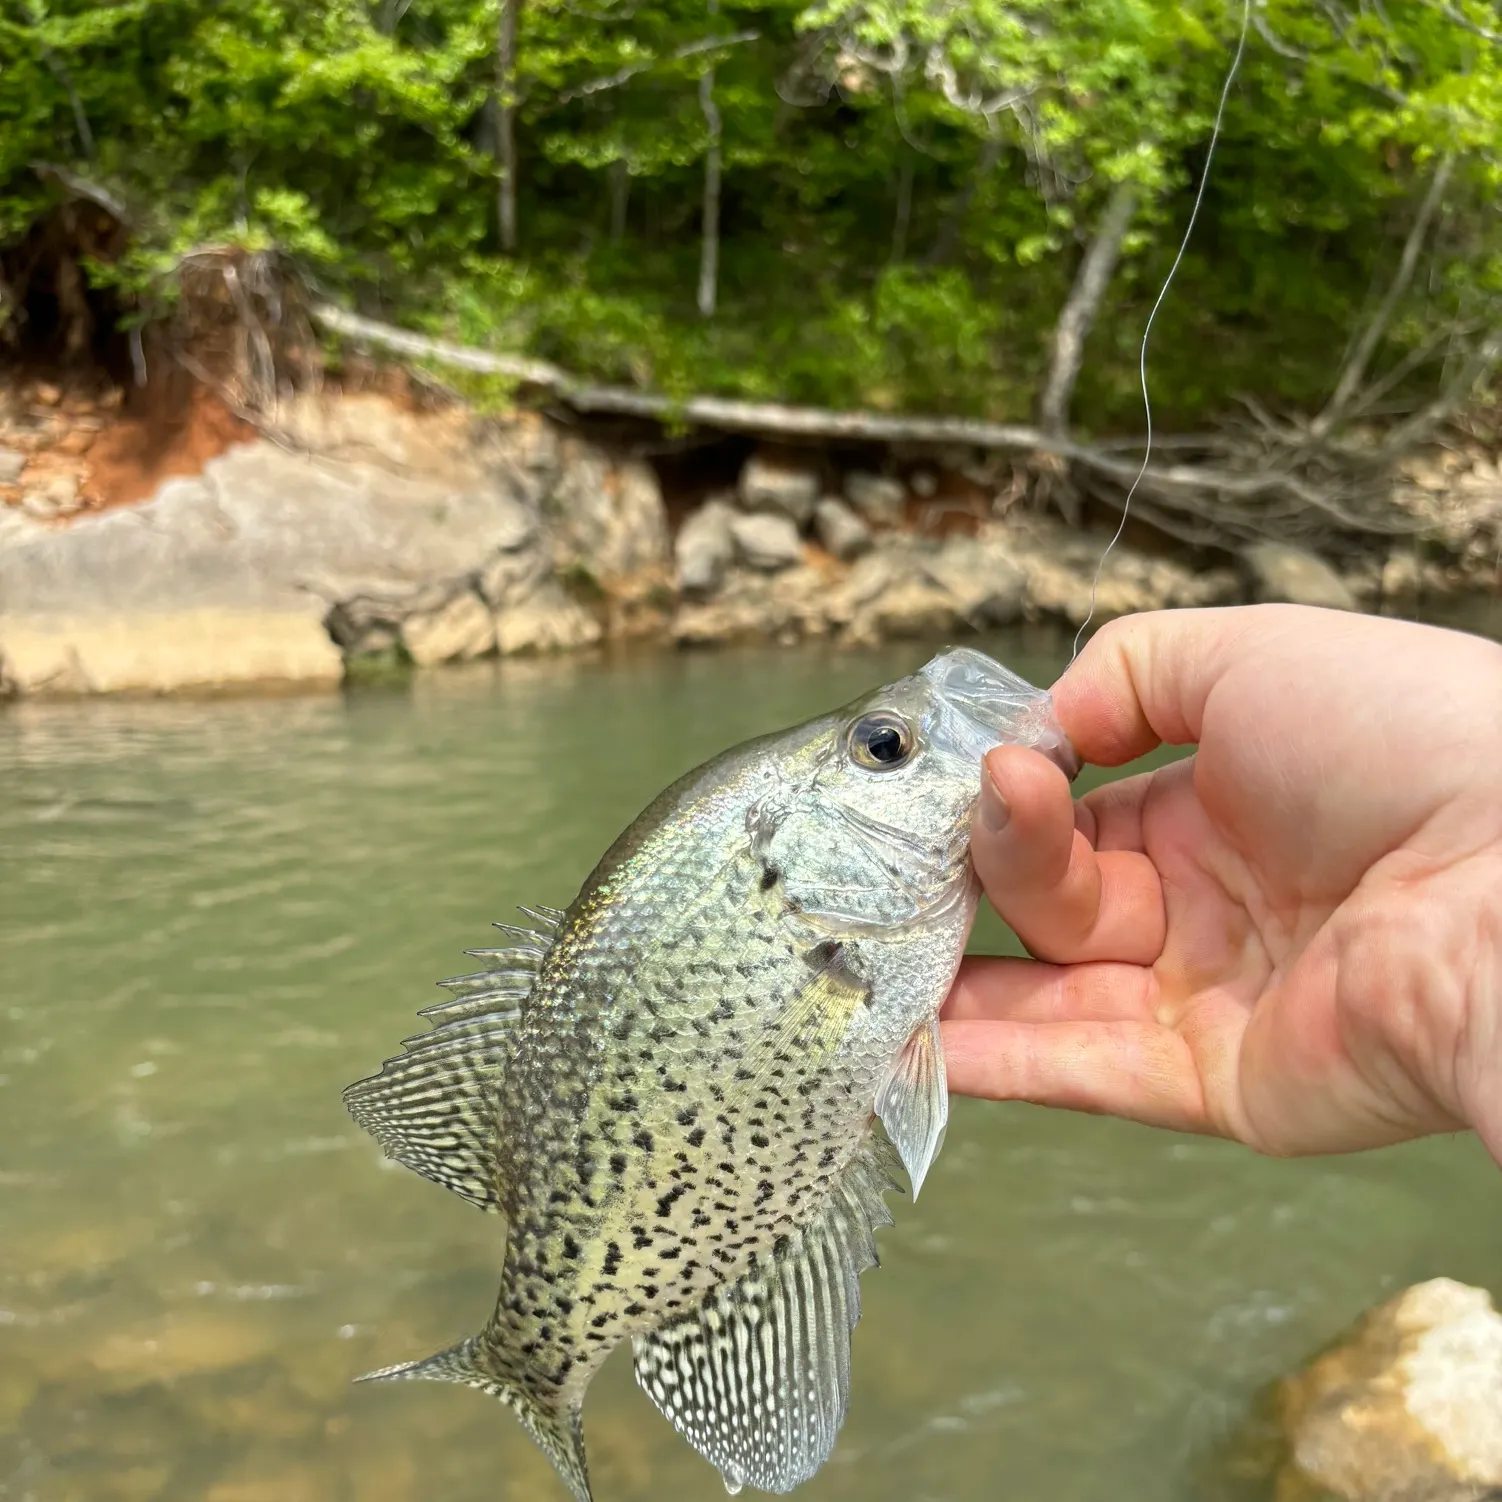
{"x": 1147, "y": 401}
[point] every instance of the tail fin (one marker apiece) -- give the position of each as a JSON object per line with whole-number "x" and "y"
{"x": 556, "y": 1427}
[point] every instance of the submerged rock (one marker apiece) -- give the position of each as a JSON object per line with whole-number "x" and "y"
{"x": 766, "y": 542}
{"x": 1294, "y": 576}
{"x": 704, "y": 548}
{"x": 1406, "y": 1408}
{"x": 841, "y": 531}
{"x": 782, "y": 485}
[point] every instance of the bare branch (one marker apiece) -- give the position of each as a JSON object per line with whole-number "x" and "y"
{"x": 625, "y": 74}
{"x": 1457, "y": 390}
{"x": 1467, "y": 24}
{"x": 81, "y": 187}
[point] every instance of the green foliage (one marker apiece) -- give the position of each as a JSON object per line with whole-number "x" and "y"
{"x": 908, "y": 184}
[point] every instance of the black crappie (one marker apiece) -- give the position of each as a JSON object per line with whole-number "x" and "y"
{"x": 669, "y": 1091}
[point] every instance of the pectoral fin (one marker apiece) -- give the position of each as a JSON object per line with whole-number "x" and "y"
{"x": 914, "y": 1102}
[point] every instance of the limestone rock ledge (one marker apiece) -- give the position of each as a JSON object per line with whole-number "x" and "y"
{"x": 373, "y": 534}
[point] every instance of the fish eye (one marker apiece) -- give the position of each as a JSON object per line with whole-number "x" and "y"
{"x": 881, "y": 741}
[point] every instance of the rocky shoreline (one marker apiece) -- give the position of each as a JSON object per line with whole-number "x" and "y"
{"x": 368, "y": 534}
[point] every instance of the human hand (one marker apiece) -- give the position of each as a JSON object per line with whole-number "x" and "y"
{"x": 1293, "y": 937}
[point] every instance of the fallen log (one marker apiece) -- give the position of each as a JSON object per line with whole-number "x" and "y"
{"x": 1205, "y": 491}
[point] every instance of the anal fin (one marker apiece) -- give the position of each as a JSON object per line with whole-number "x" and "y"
{"x": 757, "y": 1378}
{"x": 913, "y": 1103}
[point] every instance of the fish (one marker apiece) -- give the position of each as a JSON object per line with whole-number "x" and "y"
{"x": 689, "y": 1093}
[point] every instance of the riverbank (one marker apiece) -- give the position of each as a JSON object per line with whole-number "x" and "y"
{"x": 170, "y": 545}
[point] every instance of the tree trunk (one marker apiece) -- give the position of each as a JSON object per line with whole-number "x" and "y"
{"x": 620, "y": 196}
{"x": 1081, "y": 307}
{"x": 503, "y": 102}
{"x": 904, "y": 208}
{"x": 709, "y": 243}
{"x": 1371, "y": 336}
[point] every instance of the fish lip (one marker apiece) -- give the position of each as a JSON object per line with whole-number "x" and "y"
{"x": 988, "y": 705}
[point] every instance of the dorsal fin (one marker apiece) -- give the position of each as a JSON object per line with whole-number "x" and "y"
{"x": 432, "y": 1107}
{"x": 757, "y": 1378}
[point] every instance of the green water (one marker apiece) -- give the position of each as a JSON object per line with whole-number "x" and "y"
{"x": 215, "y": 915}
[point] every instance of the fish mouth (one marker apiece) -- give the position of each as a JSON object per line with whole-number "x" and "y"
{"x": 981, "y": 705}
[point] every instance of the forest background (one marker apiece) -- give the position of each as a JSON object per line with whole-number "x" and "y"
{"x": 893, "y": 205}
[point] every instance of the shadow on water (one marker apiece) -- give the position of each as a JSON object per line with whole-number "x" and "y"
{"x": 213, "y": 916}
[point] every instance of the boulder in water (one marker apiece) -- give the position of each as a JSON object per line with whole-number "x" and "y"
{"x": 1406, "y": 1408}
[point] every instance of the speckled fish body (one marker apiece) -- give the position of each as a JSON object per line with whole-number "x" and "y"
{"x": 669, "y": 1090}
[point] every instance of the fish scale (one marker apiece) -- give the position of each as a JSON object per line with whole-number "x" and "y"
{"x": 677, "y": 1118}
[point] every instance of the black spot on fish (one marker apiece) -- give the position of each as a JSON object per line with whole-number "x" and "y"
{"x": 632, "y": 1310}
{"x": 666, "y": 1203}
{"x": 601, "y": 1320}
{"x": 612, "y": 1259}
{"x": 668, "y": 1253}
{"x": 770, "y": 876}
{"x": 622, "y": 1104}
{"x": 760, "y": 1139}
{"x": 743, "y": 1074}
{"x": 570, "y": 1247}
{"x": 650, "y": 1289}
{"x": 696, "y": 1137}
{"x": 563, "y": 1303}
{"x": 688, "y": 1115}
{"x": 643, "y": 1139}
{"x": 617, "y": 1164}
{"x": 765, "y": 1189}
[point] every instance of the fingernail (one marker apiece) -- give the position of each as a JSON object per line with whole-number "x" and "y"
{"x": 994, "y": 813}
